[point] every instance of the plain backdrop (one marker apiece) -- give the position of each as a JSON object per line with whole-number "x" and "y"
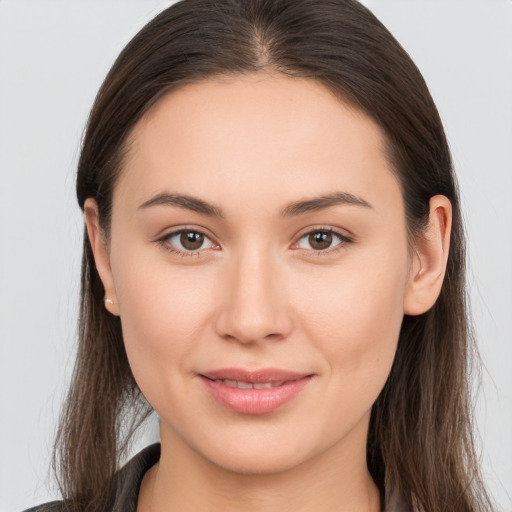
{"x": 53, "y": 57}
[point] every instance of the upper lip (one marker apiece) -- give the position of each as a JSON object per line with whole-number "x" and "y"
{"x": 254, "y": 376}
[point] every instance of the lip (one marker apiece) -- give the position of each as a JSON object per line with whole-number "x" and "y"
{"x": 285, "y": 386}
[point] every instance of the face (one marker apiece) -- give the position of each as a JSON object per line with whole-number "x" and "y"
{"x": 259, "y": 264}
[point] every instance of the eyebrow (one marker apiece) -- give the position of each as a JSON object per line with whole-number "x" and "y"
{"x": 322, "y": 202}
{"x": 293, "y": 209}
{"x": 184, "y": 201}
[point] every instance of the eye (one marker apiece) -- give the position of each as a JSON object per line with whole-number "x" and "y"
{"x": 186, "y": 242}
{"x": 322, "y": 240}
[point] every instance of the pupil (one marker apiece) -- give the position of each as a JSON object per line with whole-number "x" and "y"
{"x": 320, "y": 240}
{"x": 191, "y": 240}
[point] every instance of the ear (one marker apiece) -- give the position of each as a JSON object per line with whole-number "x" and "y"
{"x": 430, "y": 257}
{"x": 101, "y": 255}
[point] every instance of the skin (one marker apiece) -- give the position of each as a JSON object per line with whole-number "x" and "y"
{"x": 260, "y": 293}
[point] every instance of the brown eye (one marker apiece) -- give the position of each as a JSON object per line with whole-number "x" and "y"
{"x": 191, "y": 240}
{"x": 320, "y": 240}
{"x": 186, "y": 242}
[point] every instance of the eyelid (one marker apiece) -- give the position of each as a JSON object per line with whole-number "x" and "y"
{"x": 163, "y": 241}
{"x": 345, "y": 239}
{"x": 343, "y": 236}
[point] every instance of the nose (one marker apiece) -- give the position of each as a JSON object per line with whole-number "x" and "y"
{"x": 254, "y": 305}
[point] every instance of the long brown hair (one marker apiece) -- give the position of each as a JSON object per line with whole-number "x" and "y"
{"x": 420, "y": 439}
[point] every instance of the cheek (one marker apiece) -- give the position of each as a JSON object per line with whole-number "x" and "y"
{"x": 355, "y": 319}
{"x": 163, "y": 313}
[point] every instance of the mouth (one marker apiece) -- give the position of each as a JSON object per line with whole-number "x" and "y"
{"x": 254, "y": 392}
{"x": 249, "y": 385}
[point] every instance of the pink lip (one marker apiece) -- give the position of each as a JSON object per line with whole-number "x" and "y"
{"x": 252, "y": 400}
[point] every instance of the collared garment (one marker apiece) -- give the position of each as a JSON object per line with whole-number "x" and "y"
{"x": 124, "y": 498}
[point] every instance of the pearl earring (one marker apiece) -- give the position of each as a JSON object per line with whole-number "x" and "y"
{"x": 107, "y": 301}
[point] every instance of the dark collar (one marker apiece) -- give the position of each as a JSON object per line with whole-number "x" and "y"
{"x": 130, "y": 477}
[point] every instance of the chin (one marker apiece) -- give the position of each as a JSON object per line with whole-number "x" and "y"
{"x": 261, "y": 451}
{"x": 256, "y": 461}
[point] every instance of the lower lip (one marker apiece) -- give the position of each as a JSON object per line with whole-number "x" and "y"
{"x": 255, "y": 401}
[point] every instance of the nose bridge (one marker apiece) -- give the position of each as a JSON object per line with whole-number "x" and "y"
{"x": 255, "y": 306}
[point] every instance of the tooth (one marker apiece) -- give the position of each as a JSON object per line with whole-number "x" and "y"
{"x": 276, "y": 384}
{"x": 230, "y": 383}
{"x": 263, "y": 385}
{"x": 244, "y": 385}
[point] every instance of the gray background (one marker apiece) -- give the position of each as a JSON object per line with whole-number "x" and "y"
{"x": 53, "y": 57}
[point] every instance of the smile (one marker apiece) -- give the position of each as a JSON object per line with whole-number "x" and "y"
{"x": 259, "y": 392}
{"x": 249, "y": 385}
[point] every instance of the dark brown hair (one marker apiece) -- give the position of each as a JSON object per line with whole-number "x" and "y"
{"x": 420, "y": 439}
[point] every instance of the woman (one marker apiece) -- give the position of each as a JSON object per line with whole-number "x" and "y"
{"x": 274, "y": 263}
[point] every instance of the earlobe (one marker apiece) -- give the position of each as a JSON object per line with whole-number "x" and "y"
{"x": 101, "y": 256}
{"x": 430, "y": 258}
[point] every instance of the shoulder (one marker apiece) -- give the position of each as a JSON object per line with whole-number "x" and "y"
{"x": 126, "y": 486}
{"x": 52, "y": 506}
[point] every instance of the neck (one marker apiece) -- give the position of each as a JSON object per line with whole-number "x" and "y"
{"x": 337, "y": 481}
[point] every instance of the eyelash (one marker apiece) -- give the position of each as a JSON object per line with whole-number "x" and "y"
{"x": 343, "y": 241}
{"x": 164, "y": 242}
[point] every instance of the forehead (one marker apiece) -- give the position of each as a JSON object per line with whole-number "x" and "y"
{"x": 255, "y": 134}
